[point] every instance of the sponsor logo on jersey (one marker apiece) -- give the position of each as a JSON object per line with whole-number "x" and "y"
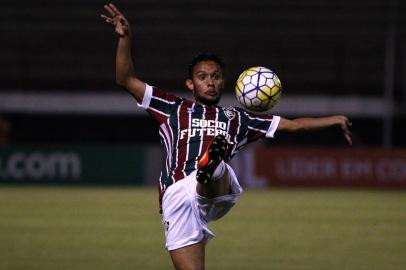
{"x": 203, "y": 127}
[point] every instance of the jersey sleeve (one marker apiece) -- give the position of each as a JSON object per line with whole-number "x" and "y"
{"x": 158, "y": 103}
{"x": 260, "y": 126}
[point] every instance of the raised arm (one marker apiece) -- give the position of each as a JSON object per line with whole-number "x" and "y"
{"x": 125, "y": 75}
{"x": 307, "y": 123}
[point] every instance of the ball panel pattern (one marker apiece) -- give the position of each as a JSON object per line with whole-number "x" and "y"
{"x": 258, "y": 89}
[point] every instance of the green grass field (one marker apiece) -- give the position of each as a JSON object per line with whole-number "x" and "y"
{"x": 120, "y": 228}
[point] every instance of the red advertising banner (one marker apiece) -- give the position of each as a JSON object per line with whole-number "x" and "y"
{"x": 330, "y": 167}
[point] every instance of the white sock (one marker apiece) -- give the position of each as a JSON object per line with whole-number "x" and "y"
{"x": 219, "y": 171}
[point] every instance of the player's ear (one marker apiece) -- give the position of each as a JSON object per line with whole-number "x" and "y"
{"x": 189, "y": 85}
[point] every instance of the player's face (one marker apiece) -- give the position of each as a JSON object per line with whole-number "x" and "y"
{"x": 207, "y": 83}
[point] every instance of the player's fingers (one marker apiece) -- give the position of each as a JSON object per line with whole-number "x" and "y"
{"x": 347, "y": 134}
{"x": 348, "y": 137}
{"x": 114, "y": 9}
{"x": 347, "y": 122}
{"x": 109, "y": 10}
{"x": 106, "y": 19}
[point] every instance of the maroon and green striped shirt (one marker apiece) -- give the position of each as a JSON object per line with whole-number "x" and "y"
{"x": 187, "y": 128}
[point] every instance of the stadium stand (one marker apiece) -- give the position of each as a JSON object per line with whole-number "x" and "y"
{"x": 324, "y": 48}
{"x": 316, "y": 46}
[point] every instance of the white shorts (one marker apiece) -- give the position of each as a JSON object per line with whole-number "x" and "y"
{"x": 186, "y": 213}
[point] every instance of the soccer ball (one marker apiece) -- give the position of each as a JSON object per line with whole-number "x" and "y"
{"x": 258, "y": 89}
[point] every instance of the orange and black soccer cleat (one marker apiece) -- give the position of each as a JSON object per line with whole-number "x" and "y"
{"x": 211, "y": 158}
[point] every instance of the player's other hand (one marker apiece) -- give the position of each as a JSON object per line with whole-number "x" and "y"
{"x": 345, "y": 125}
{"x": 117, "y": 20}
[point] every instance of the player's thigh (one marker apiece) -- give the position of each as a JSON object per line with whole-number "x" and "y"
{"x": 189, "y": 258}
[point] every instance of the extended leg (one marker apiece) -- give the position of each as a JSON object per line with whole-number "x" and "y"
{"x": 216, "y": 188}
{"x": 212, "y": 174}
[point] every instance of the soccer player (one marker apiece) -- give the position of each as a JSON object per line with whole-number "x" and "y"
{"x": 198, "y": 140}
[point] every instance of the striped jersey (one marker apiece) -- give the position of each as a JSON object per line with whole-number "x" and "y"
{"x": 186, "y": 129}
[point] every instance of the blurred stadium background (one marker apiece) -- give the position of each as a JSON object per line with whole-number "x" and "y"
{"x": 78, "y": 159}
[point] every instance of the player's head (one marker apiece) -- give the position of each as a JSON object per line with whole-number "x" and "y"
{"x": 206, "y": 78}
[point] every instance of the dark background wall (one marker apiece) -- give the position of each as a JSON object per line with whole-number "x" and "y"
{"x": 331, "y": 48}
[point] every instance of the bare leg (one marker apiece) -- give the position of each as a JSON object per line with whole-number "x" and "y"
{"x": 215, "y": 188}
{"x": 189, "y": 258}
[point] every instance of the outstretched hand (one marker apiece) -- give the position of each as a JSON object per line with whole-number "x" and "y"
{"x": 345, "y": 124}
{"x": 117, "y": 20}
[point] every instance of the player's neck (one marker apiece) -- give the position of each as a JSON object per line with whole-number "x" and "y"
{"x": 206, "y": 103}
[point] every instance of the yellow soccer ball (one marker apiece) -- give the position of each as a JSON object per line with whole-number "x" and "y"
{"x": 258, "y": 89}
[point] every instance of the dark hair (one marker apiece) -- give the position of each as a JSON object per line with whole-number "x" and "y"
{"x": 202, "y": 57}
